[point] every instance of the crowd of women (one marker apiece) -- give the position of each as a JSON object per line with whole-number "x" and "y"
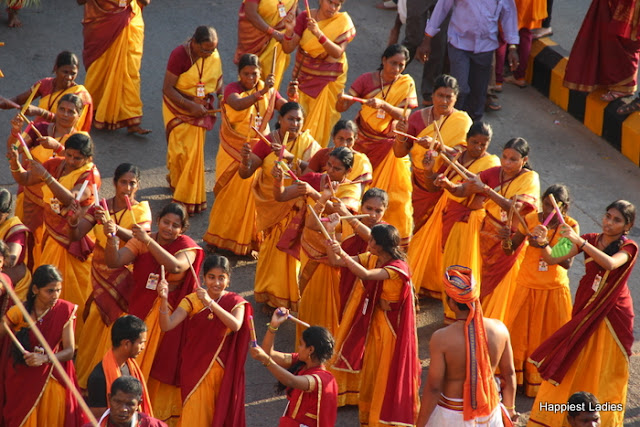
{"x": 351, "y": 221}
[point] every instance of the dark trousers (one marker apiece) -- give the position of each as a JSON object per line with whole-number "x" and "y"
{"x": 473, "y": 71}
{"x": 546, "y": 22}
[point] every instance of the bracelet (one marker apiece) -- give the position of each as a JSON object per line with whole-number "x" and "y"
{"x": 583, "y": 243}
{"x": 270, "y": 31}
{"x": 509, "y": 408}
{"x": 267, "y": 363}
{"x": 513, "y": 46}
{"x": 59, "y": 150}
{"x": 271, "y": 328}
{"x": 74, "y": 225}
{"x": 542, "y": 246}
{"x": 322, "y": 39}
{"x": 15, "y": 170}
{"x": 163, "y": 312}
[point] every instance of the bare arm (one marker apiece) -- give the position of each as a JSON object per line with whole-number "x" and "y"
{"x": 435, "y": 381}
{"x": 251, "y": 12}
{"x": 232, "y": 320}
{"x": 168, "y": 320}
{"x": 508, "y": 374}
{"x": 239, "y": 103}
{"x": 250, "y": 162}
{"x": 169, "y": 90}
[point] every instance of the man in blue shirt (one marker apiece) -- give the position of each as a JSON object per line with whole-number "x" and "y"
{"x": 472, "y": 40}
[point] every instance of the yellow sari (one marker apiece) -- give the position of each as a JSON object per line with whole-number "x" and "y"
{"x": 50, "y": 100}
{"x": 186, "y": 135}
{"x": 114, "y": 77}
{"x": 7, "y": 229}
{"x": 315, "y": 67}
{"x": 97, "y": 341}
{"x": 390, "y": 173}
{"x": 252, "y": 40}
{"x": 276, "y": 281}
{"x": 232, "y": 221}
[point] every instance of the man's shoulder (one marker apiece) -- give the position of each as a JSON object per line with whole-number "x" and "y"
{"x": 97, "y": 372}
{"x": 147, "y": 421}
{"x": 495, "y": 325}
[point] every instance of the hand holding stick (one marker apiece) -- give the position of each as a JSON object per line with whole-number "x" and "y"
{"x": 273, "y": 62}
{"x": 353, "y": 98}
{"x": 324, "y": 231}
{"x": 13, "y": 338}
{"x": 129, "y": 208}
{"x": 295, "y": 319}
{"x": 261, "y": 136}
{"x": 287, "y": 169}
{"x": 406, "y": 135}
{"x": 557, "y": 208}
{"x": 82, "y": 188}
{"x": 31, "y": 96}
{"x": 30, "y": 126}
{"x": 347, "y": 217}
{"x": 252, "y": 330}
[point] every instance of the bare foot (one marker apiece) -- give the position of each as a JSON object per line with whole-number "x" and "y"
{"x": 137, "y": 129}
{"x": 14, "y": 21}
{"x": 254, "y": 254}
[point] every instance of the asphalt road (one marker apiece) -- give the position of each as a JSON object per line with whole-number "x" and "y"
{"x": 563, "y": 150}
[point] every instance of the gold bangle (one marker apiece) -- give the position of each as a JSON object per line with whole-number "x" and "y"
{"x": 508, "y": 408}
{"x": 15, "y": 170}
{"x": 271, "y": 328}
{"x": 267, "y": 363}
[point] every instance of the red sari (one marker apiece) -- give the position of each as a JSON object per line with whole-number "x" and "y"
{"x": 314, "y": 408}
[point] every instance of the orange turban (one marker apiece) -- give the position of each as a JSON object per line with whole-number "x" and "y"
{"x": 480, "y": 392}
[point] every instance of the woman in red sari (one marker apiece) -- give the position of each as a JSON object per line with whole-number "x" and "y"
{"x": 32, "y": 391}
{"x": 18, "y": 239}
{"x": 600, "y": 332}
{"x": 607, "y": 49}
{"x": 53, "y": 88}
{"x": 170, "y": 250}
{"x": 215, "y": 347}
{"x": 311, "y": 389}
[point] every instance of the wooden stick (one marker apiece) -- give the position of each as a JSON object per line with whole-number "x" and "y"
{"x": 130, "y": 209}
{"x": 30, "y": 123}
{"x": 353, "y": 98}
{"x": 549, "y": 217}
{"x": 252, "y": 330}
{"x": 295, "y": 319}
{"x": 105, "y": 207}
{"x": 31, "y": 96}
{"x": 522, "y": 221}
{"x": 557, "y": 209}
{"x": 261, "y": 136}
{"x": 333, "y": 193}
{"x": 397, "y": 132}
{"x": 52, "y": 357}
{"x": 96, "y": 198}
{"x": 13, "y": 338}
{"x": 455, "y": 159}
{"x": 248, "y": 139}
{"x": 406, "y": 104}
{"x": 162, "y": 274}
{"x": 273, "y": 62}
{"x": 25, "y": 148}
{"x": 348, "y": 217}
{"x": 283, "y": 145}
{"x": 306, "y": 4}
{"x": 435, "y": 124}
{"x": 212, "y": 112}
{"x": 195, "y": 276}
{"x": 287, "y": 169}
{"x": 456, "y": 168}
{"x": 82, "y": 188}
{"x": 324, "y": 231}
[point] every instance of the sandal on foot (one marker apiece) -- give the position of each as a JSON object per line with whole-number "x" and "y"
{"x": 521, "y": 83}
{"x": 387, "y": 5}
{"x": 630, "y": 107}
{"x": 612, "y": 95}
{"x": 492, "y": 104}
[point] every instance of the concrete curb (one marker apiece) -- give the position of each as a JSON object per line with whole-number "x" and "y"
{"x": 545, "y": 72}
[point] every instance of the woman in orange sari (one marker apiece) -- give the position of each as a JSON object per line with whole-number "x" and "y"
{"x": 276, "y": 282}
{"x": 388, "y": 93}
{"x": 510, "y": 187}
{"x": 51, "y": 89}
{"x": 191, "y": 83}
{"x": 168, "y": 250}
{"x": 215, "y": 347}
{"x": 439, "y": 121}
{"x": 321, "y": 62}
{"x": 261, "y": 25}
{"x": 18, "y": 239}
{"x": 29, "y": 203}
{"x": 113, "y": 33}
{"x": 32, "y": 391}
{"x": 111, "y": 287}
{"x": 64, "y": 177}
{"x": 247, "y": 102}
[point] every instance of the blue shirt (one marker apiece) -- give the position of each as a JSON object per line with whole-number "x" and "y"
{"x": 474, "y": 23}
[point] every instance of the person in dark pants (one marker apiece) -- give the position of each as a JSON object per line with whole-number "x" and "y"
{"x": 473, "y": 38}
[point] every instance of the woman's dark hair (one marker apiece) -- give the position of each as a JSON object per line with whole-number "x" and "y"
{"x": 126, "y": 168}
{"x": 448, "y": 82}
{"x": 82, "y": 142}
{"x": 290, "y": 106}
{"x": 322, "y": 341}
{"x": 393, "y": 50}
{"x": 248, "y": 59}
{"x": 561, "y": 194}
{"x": 373, "y": 193}
{"x": 349, "y": 125}
{"x": 521, "y": 146}
{"x": 65, "y": 58}
{"x": 74, "y": 99}
{"x": 204, "y": 34}
{"x": 177, "y": 209}
{"x": 6, "y": 200}
{"x": 345, "y": 155}
{"x": 217, "y": 261}
{"x": 42, "y": 276}
{"x": 387, "y": 236}
{"x": 480, "y": 128}
{"x": 628, "y": 212}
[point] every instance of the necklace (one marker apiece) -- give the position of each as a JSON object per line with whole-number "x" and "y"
{"x": 384, "y": 95}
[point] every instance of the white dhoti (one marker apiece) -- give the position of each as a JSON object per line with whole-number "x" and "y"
{"x": 448, "y": 413}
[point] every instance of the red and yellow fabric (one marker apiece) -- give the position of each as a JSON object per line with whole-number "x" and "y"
{"x": 49, "y": 101}
{"x": 380, "y": 346}
{"x": 277, "y": 271}
{"x": 598, "y": 336}
{"x": 375, "y": 139}
{"x": 212, "y": 365}
{"x": 111, "y": 290}
{"x": 36, "y": 396}
{"x": 112, "y": 55}
{"x": 252, "y": 40}
{"x": 73, "y": 259}
{"x": 321, "y": 77}
{"x": 541, "y": 304}
{"x": 499, "y": 271}
{"x": 112, "y": 372}
{"x": 232, "y": 221}
{"x": 360, "y": 171}
{"x": 607, "y": 49}
{"x": 315, "y": 407}
{"x": 186, "y": 134}
{"x": 480, "y": 394}
{"x": 12, "y": 228}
